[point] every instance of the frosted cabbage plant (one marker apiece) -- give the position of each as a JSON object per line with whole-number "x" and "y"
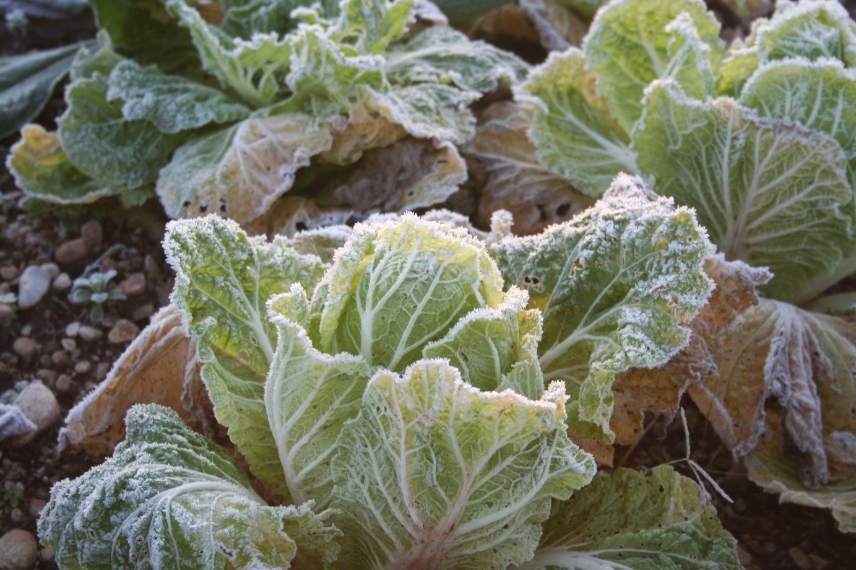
{"x": 235, "y": 98}
{"x": 391, "y": 404}
{"x": 759, "y": 139}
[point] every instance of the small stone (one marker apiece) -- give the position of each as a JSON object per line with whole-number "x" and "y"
{"x": 62, "y": 282}
{"x": 817, "y": 562}
{"x": 800, "y": 559}
{"x": 60, "y": 358}
{"x": 8, "y": 272}
{"x": 92, "y": 233}
{"x": 46, "y": 375}
{"x": 133, "y": 285}
{"x": 52, "y": 269}
{"x": 143, "y": 312}
{"x": 63, "y": 383}
{"x": 89, "y": 333}
{"x": 18, "y": 550}
{"x": 25, "y": 347}
{"x": 46, "y": 554}
{"x": 71, "y": 251}
{"x": 83, "y": 367}
{"x": 32, "y": 286}
{"x": 71, "y": 329}
{"x": 123, "y": 331}
{"x": 39, "y": 404}
{"x": 36, "y": 506}
{"x": 7, "y": 314}
{"x": 68, "y": 344}
{"x": 17, "y": 516}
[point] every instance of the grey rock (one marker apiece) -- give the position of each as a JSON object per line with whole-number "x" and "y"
{"x": 32, "y": 286}
{"x": 62, "y": 282}
{"x": 25, "y": 347}
{"x": 18, "y": 550}
{"x": 39, "y": 404}
{"x": 89, "y": 333}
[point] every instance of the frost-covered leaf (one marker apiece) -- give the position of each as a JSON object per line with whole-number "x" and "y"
{"x": 442, "y": 55}
{"x": 429, "y": 110}
{"x": 575, "y": 135}
{"x": 634, "y": 521}
{"x": 434, "y": 472}
{"x": 819, "y": 95}
{"x": 735, "y": 71}
{"x": 308, "y": 396}
{"x": 254, "y": 69}
{"x": 771, "y": 194}
{"x": 102, "y": 144}
{"x": 812, "y": 29}
{"x": 496, "y": 348}
{"x": 27, "y": 82}
{"x": 617, "y": 286}
{"x": 241, "y": 170}
{"x": 158, "y": 367}
{"x": 371, "y": 25}
{"x": 771, "y": 467}
{"x": 43, "y": 171}
{"x": 223, "y": 281}
{"x": 406, "y": 175}
{"x": 658, "y": 391}
{"x": 169, "y": 102}
{"x": 629, "y": 45}
{"x": 397, "y": 286}
{"x": 804, "y": 361}
{"x": 510, "y": 177}
{"x": 170, "y": 498}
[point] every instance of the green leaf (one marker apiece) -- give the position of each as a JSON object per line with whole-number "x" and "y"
{"x": 436, "y": 473}
{"x": 308, "y": 396}
{"x": 241, "y": 170}
{"x": 819, "y": 95}
{"x": 43, "y": 171}
{"x": 496, "y": 348}
{"x": 427, "y": 110}
{"x": 617, "y": 286}
{"x": 170, "y": 498}
{"x": 103, "y": 145}
{"x": 445, "y": 56}
{"x": 629, "y": 45}
{"x": 325, "y": 81}
{"x": 223, "y": 281}
{"x": 131, "y": 25}
{"x": 736, "y": 70}
{"x": 631, "y": 520}
{"x": 397, "y": 286}
{"x": 253, "y": 69}
{"x": 774, "y": 195}
{"x": 370, "y": 26}
{"x": 171, "y": 103}
{"x": 807, "y": 29}
{"x": 27, "y": 82}
{"x": 575, "y": 135}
